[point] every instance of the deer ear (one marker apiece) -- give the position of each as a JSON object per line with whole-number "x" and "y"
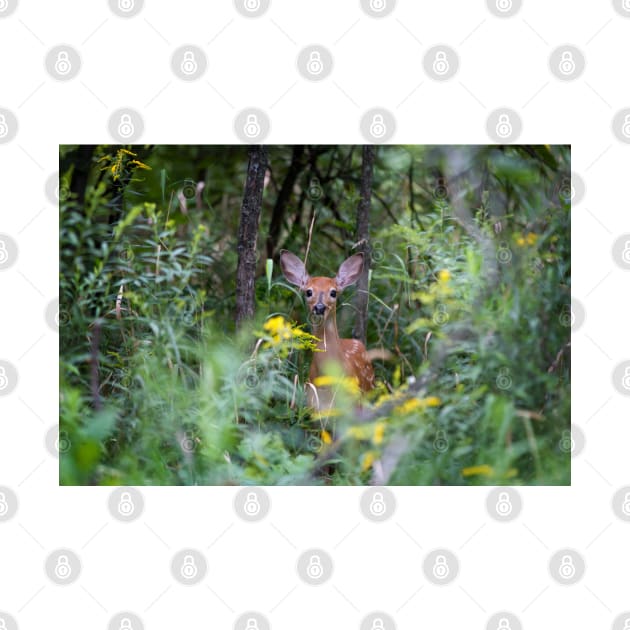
{"x": 293, "y": 269}
{"x": 349, "y": 271}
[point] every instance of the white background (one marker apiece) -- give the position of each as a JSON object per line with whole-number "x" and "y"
{"x": 251, "y": 62}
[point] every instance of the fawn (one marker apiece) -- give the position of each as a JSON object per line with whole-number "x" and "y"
{"x": 321, "y": 300}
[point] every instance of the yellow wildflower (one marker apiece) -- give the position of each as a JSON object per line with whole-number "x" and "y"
{"x": 379, "y": 431}
{"x": 411, "y": 404}
{"x": 484, "y": 470}
{"x": 444, "y": 275}
{"x": 140, "y": 164}
{"x": 329, "y": 412}
{"x": 360, "y": 432}
{"x": 348, "y": 383}
{"x": 280, "y": 330}
{"x": 529, "y": 239}
{"x": 326, "y": 438}
{"x": 367, "y": 460}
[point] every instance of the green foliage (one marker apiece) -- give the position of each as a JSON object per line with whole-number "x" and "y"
{"x": 157, "y": 387}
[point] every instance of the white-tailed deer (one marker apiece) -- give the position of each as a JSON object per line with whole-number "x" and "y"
{"x": 321, "y": 299}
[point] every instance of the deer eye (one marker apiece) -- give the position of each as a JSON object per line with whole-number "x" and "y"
{"x": 333, "y": 293}
{"x": 309, "y": 293}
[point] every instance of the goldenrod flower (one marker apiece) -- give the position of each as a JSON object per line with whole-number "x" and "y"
{"x": 281, "y": 331}
{"x": 367, "y": 460}
{"x": 360, "y": 432}
{"x": 486, "y": 471}
{"x": 529, "y": 239}
{"x": 350, "y": 384}
{"x": 379, "y": 431}
{"x": 411, "y": 404}
{"x": 483, "y": 469}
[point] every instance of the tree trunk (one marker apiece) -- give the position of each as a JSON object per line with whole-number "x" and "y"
{"x": 363, "y": 231}
{"x": 279, "y": 209}
{"x": 248, "y": 234}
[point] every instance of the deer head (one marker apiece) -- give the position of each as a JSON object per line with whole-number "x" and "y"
{"x": 321, "y": 292}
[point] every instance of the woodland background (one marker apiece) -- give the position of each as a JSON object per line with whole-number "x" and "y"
{"x": 181, "y": 357}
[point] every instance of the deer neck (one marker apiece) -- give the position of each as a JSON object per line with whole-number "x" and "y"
{"x": 327, "y": 334}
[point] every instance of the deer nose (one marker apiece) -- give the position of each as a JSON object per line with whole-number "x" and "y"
{"x": 319, "y": 308}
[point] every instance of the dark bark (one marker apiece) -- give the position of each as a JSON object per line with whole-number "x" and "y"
{"x": 363, "y": 232}
{"x": 280, "y": 207}
{"x": 248, "y": 234}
